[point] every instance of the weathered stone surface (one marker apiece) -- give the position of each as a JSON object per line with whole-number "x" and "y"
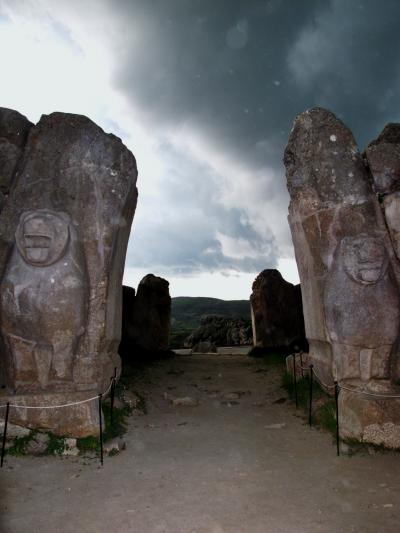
{"x": 383, "y": 159}
{"x": 146, "y": 317}
{"x": 302, "y": 365}
{"x": 38, "y": 444}
{"x": 14, "y": 431}
{"x": 221, "y": 331}
{"x": 78, "y": 420}
{"x": 391, "y": 208}
{"x": 347, "y": 267}
{"x": 114, "y": 445}
{"x": 63, "y": 238}
{"x": 70, "y": 447}
{"x": 14, "y": 130}
{"x": 342, "y": 248}
{"x": 362, "y": 311}
{"x": 277, "y": 313}
{"x": 368, "y": 419}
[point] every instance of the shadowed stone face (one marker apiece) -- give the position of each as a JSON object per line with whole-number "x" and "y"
{"x": 44, "y": 301}
{"x": 343, "y": 251}
{"x": 277, "y": 312}
{"x": 42, "y": 237}
{"x": 347, "y": 266}
{"x": 64, "y": 231}
{"x": 365, "y": 258}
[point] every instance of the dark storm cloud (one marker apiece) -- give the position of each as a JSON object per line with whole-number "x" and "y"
{"x": 244, "y": 69}
{"x": 178, "y": 229}
{"x": 239, "y": 72}
{"x": 222, "y": 65}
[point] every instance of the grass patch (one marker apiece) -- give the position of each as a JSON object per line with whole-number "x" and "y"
{"x": 267, "y": 357}
{"x": 113, "y": 452}
{"x": 19, "y": 444}
{"x": 110, "y": 431}
{"x": 55, "y": 445}
{"x": 303, "y": 389}
{"x": 323, "y": 408}
{"x": 88, "y": 444}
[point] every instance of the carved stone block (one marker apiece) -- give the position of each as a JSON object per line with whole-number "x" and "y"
{"x": 63, "y": 237}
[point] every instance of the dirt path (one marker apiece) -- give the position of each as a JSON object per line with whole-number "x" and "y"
{"x": 236, "y": 463}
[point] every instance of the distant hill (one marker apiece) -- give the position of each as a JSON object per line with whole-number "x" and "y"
{"x": 186, "y": 312}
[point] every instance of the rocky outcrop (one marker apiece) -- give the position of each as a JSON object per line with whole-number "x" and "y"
{"x": 221, "y": 331}
{"x": 277, "y": 313}
{"x": 204, "y": 347}
{"x": 63, "y": 237}
{"x": 146, "y": 318}
{"x": 348, "y": 270}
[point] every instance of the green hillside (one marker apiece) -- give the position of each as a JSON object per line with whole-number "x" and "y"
{"x": 186, "y": 313}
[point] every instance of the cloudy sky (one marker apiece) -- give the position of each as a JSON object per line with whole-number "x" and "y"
{"x": 204, "y": 93}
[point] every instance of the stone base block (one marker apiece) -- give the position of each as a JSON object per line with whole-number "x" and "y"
{"x": 79, "y": 420}
{"x": 302, "y": 364}
{"x": 369, "y": 419}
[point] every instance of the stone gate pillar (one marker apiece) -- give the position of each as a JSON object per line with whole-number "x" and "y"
{"x": 64, "y": 231}
{"x": 348, "y": 270}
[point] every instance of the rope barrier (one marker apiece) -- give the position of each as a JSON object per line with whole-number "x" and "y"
{"x": 324, "y": 385}
{"x": 98, "y": 397}
{"x": 349, "y": 389}
{"x": 337, "y": 388}
{"x": 366, "y": 393}
{"x": 59, "y": 406}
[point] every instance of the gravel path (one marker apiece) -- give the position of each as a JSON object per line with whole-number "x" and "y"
{"x": 241, "y": 461}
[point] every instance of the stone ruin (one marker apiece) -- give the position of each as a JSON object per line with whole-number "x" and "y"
{"x": 345, "y": 223}
{"x": 277, "y": 313}
{"x": 68, "y": 199}
{"x": 146, "y": 319}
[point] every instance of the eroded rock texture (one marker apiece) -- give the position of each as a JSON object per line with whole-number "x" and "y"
{"x": 14, "y": 130}
{"x": 383, "y": 159}
{"x": 146, "y": 318}
{"x": 63, "y": 237}
{"x": 348, "y": 271}
{"x": 277, "y": 313}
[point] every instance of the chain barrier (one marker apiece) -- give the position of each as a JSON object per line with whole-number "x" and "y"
{"x": 98, "y": 397}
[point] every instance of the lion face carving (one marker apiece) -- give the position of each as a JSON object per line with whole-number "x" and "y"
{"x": 365, "y": 258}
{"x": 42, "y": 237}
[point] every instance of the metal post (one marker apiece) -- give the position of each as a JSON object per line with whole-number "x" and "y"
{"x": 5, "y": 434}
{"x": 311, "y": 391}
{"x": 337, "y": 418}
{"x": 101, "y": 430}
{"x": 295, "y": 380}
{"x": 113, "y": 383}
